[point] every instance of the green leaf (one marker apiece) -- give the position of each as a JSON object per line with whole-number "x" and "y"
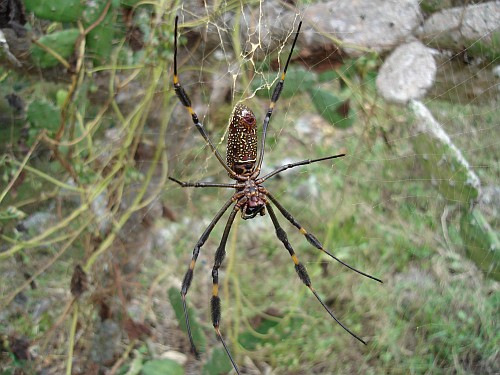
{"x": 11, "y": 213}
{"x": 130, "y": 3}
{"x": 42, "y": 114}
{"x": 56, "y": 10}
{"x": 332, "y": 108}
{"x": 297, "y": 79}
{"x": 198, "y": 336}
{"x": 218, "y": 363}
{"x": 250, "y": 341}
{"x": 100, "y": 39}
{"x": 162, "y": 367}
{"x": 328, "y": 76}
{"x": 274, "y": 330}
{"x": 61, "y": 96}
{"x": 135, "y": 366}
{"x": 62, "y": 42}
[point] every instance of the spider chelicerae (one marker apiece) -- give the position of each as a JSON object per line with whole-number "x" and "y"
{"x": 250, "y": 197}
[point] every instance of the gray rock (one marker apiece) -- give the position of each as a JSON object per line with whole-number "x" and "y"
{"x": 407, "y": 73}
{"x": 379, "y": 25}
{"x": 443, "y": 162}
{"x": 463, "y": 27}
{"x": 37, "y": 222}
{"x": 178, "y": 357}
{"x": 489, "y": 202}
{"x": 105, "y": 342}
{"x": 266, "y": 28}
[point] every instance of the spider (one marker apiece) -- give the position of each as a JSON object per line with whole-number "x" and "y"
{"x": 250, "y": 197}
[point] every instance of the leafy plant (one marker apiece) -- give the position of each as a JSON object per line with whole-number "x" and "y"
{"x": 196, "y": 329}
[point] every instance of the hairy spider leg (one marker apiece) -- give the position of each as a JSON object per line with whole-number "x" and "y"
{"x": 188, "y": 277}
{"x": 312, "y": 239}
{"x": 258, "y": 181}
{"x": 301, "y": 269}
{"x": 292, "y": 165}
{"x": 274, "y": 98}
{"x": 186, "y": 102}
{"x": 219, "y": 257}
{"x": 206, "y": 184}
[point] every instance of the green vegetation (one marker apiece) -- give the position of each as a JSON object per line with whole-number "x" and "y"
{"x": 95, "y": 240}
{"x": 333, "y": 108}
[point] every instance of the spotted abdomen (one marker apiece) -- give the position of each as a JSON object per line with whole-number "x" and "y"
{"x": 242, "y": 140}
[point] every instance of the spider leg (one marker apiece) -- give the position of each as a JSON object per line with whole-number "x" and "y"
{"x": 274, "y": 98}
{"x": 188, "y": 277}
{"x": 186, "y": 102}
{"x": 292, "y": 165}
{"x": 219, "y": 257}
{"x": 312, "y": 239}
{"x": 301, "y": 269}
{"x": 206, "y": 184}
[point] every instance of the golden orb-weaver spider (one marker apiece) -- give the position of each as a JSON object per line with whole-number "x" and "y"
{"x": 251, "y": 198}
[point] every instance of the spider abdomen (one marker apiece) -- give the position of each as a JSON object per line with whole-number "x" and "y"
{"x": 242, "y": 140}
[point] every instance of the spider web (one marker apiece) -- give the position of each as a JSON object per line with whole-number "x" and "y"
{"x": 381, "y": 208}
{"x": 382, "y": 195}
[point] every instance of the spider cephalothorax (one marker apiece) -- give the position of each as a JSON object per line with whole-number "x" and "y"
{"x": 250, "y": 197}
{"x": 253, "y": 201}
